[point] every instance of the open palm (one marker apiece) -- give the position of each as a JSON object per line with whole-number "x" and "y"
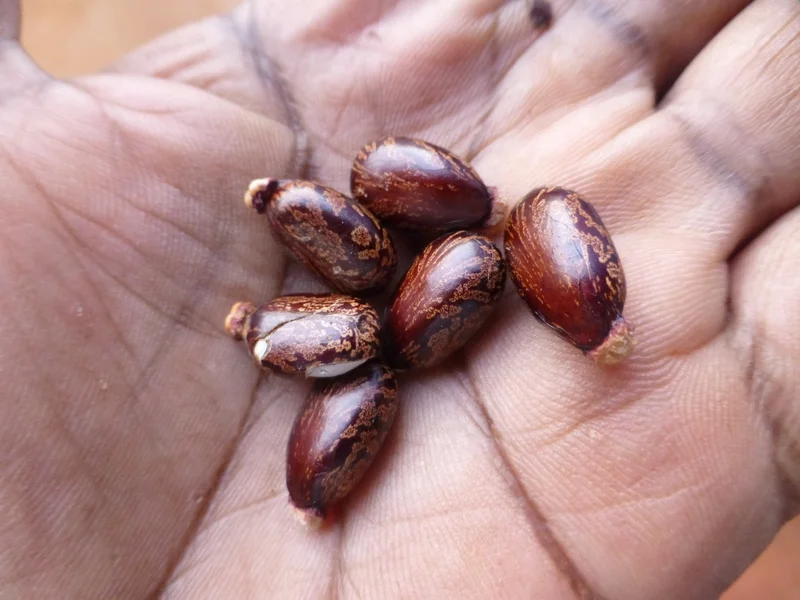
{"x": 142, "y": 452}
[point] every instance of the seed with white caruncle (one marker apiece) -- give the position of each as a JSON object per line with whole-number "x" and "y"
{"x": 316, "y": 335}
{"x": 412, "y": 184}
{"x": 446, "y": 296}
{"x": 332, "y": 235}
{"x": 336, "y": 436}
{"x": 564, "y": 264}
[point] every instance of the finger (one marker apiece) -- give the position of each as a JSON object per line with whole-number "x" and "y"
{"x": 210, "y": 54}
{"x": 639, "y": 45}
{"x": 224, "y": 55}
{"x": 738, "y": 108}
{"x": 663, "y": 38}
{"x": 729, "y": 133}
{"x": 765, "y": 333}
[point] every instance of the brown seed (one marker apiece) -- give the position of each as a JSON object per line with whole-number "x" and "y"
{"x": 447, "y": 294}
{"x": 335, "y": 237}
{"x": 318, "y": 335}
{"x": 565, "y": 267}
{"x": 336, "y": 437}
{"x": 411, "y": 184}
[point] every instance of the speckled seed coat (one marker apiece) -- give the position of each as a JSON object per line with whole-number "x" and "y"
{"x": 337, "y": 435}
{"x": 336, "y": 238}
{"x": 412, "y": 184}
{"x": 447, "y": 294}
{"x": 306, "y": 333}
{"x": 565, "y": 266}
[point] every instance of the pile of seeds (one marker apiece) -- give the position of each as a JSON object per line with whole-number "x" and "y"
{"x": 559, "y": 255}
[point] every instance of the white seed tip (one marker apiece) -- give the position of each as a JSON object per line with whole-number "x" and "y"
{"x": 308, "y": 518}
{"x": 261, "y": 349}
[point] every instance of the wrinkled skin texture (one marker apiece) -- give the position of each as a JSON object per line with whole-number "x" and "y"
{"x": 144, "y": 455}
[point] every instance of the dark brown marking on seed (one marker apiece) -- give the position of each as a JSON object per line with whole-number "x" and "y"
{"x": 541, "y": 14}
{"x": 337, "y": 435}
{"x": 412, "y": 184}
{"x": 446, "y": 296}
{"x": 303, "y": 334}
{"x": 333, "y": 236}
{"x": 564, "y": 265}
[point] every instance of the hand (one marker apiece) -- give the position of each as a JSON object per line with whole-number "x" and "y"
{"x": 144, "y": 454}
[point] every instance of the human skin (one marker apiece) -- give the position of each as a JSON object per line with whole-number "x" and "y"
{"x": 143, "y": 454}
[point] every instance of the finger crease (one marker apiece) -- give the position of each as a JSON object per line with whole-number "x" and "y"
{"x": 628, "y": 32}
{"x": 270, "y": 73}
{"x": 767, "y": 397}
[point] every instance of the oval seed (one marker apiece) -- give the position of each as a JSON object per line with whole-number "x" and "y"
{"x": 411, "y": 184}
{"x": 566, "y": 268}
{"x": 333, "y": 236}
{"x": 317, "y": 335}
{"x": 336, "y": 437}
{"x": 447, "y": 294}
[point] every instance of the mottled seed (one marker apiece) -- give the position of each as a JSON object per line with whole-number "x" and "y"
{"x": 447, "y": 294}
{"x": 332, "y": 235}
{"x": 411, "y": 184}
{"x": 564, "y": 265}
{"x": 317, "y": 335}
{"x": 336, "y": 437}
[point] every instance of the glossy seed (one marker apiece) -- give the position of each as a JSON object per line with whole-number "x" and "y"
{"x": 411, "y": 184}
{"x": 333, "y": 236}
{"x": 564, "y": 265}
{"x": 336, "y": 437}
{"x": 447, "y": 294}
{"x": 316, "y": 335}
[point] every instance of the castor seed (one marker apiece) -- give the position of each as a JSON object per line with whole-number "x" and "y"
{"x": 411, "y": 184}
{"x": 332, "y": 235}
{"x": 565, "y": 266}
{"x": 317, "y": 335}
{"x": 447, "y": 294}
{"x": 336, "y": 436}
